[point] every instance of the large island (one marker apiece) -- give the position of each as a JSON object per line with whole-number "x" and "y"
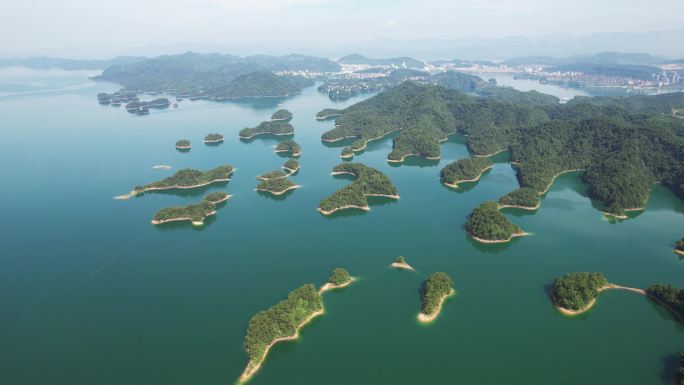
{"x": 276, "y": 185}
{"x": 436, "y": 289}
{"x": 187, "y": 179}
{"x": 368, "y": 182}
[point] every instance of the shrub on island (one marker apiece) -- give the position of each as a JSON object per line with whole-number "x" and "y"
{"x": 183, "y": 144}
{"x": 276, "y": 127}
{"x": 281, "y": 114}
{"x": 670, "y": 296}
{"x": 213, "y": 138}
{"x": 400, "y": 259}
{"x": 464, "y": 170}
{"x": 576, "y": 291}
{"x": 282, "y": 320}
{"x": 347, "y": 153}
{"x": 276, "y": 186}
{"x": 339, "y": 277}
{"x": 435, "y": 288}
{"x": 189, "y": 178}
{"x": 680, "y": 245}
{"x": 327, "y": 113}
{"x": 194, "y": 212}
{"x": 289, "y": 146}
{"x": 523, "y": 197}
{"x": 291, "y": 166}
{"x": 368, "y": 182}
{"x": 216, "y": 197}
{"x": 275, "y": 174}
{"x": 487, "y": 224}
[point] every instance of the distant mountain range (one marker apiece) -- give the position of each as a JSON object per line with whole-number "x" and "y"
{"x": 68, "y": 64}
{"x": 398, "y": 62}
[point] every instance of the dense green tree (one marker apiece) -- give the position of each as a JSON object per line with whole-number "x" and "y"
{"x": 289, "y": 146}
{"x": 464, "y": 169}
{"x": 188, "y": 178}
{"x": 670, "y": 296}
{"x": 435, "y": 287}
{"x": 213, "y": 137}
{"x": 575, "y": 291}
{"x": 523, "y": 197}
{"x": 487, "y": 223}
{"x": 194, "y": 212}
{"x": 369, "y": 181}
{"x": 275, "y": 185}
{"x": 339, "y": 277}
{"x": 183, "y": 143}
{"x": 282, "y": 114}
{"x": 275, "y": 127}
{"x": 216, "y": 197}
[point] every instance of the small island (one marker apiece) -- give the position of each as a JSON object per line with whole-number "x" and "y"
{"x": 464, "y": 170}
{"x": 368, "y": 182}
{"x": 338, "y": 278}
{"x": 575, "y": 293}
{"x": 525, "y": 198}
{"x": 275, "y": 174}
{"x": 281, "y": 322}
{"x": 217, "y": 197}
{"x": 195, "y": 213}
{"x": 187, "y": 179}
{"x": 487, "y": 225}
{"x": 276, "y": 186}
{"x": 347, "y": 153}
{"x": 436, "y": 289}
{"x": 291, "y": 166}
{"x": 213, "y": 138}
{"x": 282, "y": 114}
{"x": 400, "y": 263}
{"x": 289, "y": 146}
{"x": 276, "y": 127}
{"x": 669, "y": 297}
{"x": 327, "y": 113}
{"x": 183, "y": 144}
{"x": 679, "y": 247}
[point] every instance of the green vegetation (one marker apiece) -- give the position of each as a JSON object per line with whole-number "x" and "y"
{"x": 276, "y": 127}
{"x": 464, "y": 170}
{"x": 368, "y": 182}
{"x": 213, "y": 138}
{"x": 281, "y": 320}
{"x": 282, "y": 114}
{"x": 183, "y": 143}
{"x": 276, "y": 186}
{"x": 339, "y": 277}
{"x": 435, "y": 288}
{"x": 457, "y": 81}
{"x": 291, "y": 165}
{"x": 524, "y": 197}
{"x": 576, "y": 291}
{"x": 486, "y": 223}
{"x": 275, "y": 174}
{"x": 289, "y": 146}
{"x": 679, "y": 245}
{"x": 327, "y": 113}
{"x": 189, "y": 178}
{"x": 669, "y": 296}
{"x": 216, "y": 197}
{"x": 347, "y": 152}
{"x": 400, "y": 259}
{"x": 623, "y": 144}
{"x": 194, "y": 212}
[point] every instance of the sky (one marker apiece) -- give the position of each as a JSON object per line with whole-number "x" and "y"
{"x": 94, "y": 27}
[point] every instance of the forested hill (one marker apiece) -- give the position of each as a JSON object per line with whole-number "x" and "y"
{"x": 623, "y": 144}
{"x": 193, "y": 74}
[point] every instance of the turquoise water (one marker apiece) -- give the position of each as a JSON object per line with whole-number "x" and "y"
{"x": 91, "y": 293}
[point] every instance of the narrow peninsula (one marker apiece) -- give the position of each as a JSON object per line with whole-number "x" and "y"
{"x": 275, "y": 127}
{"x": 281, "y": 322}
{"x": 523, "y": 198}
{"x": 213, "y": 138}
{"x": 276, "y": 186}
{"x": 289, "y": 146}
{"x": 488, "y": 225}
{"x": 464, "y": 170}
{"x": 575, "y": 293}
{"x": 187, "y": 179}
{"x": 282, "y": 114}
{"x": 368, "y": 182}
{"x": 338, "y": 278}
{"x": 327, "y": 113}
{"x": 436, "y": 289}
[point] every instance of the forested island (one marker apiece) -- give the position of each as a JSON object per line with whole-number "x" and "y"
{"x": 142, "y": 107}
{"x": 276, "y": 186}
{"x": 281, "y": 322}
{"x": 670, "y": 297}
{"x": 183, "y": 144}
{"x": 368, "y": 182}
{"x": 623, "y": 145}
{"x": 289, "y": 146}
{"x": 213, "y": 138}
{"x": 679, "y": 247}
{"x": 291, "y": 166}
{"x": 523, "y": 198}
{"x": 464, "y": 170}
{"x": 195, "y": 213}
{"x": 188, "y": 178}
{"x": 328, "y": 113}
{"x": 282, "y": 114}
{"x": 436, "y": 288}
{"x": 338, "y": 278}
{"x": 400, "y": 263}
{"x": 488, "y": 225}
{"x": 575, "y": 293}
{"x": 276, "y": 127}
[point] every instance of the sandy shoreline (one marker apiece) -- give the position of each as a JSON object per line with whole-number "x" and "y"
{"x": 609, "y": 286}
{"x": 422, "y": 317}
{"x": 324, "y": 212}
{"x": 622, "y": 216}
{"x": 253, "y": 366}
{"x": 213, "y": 141}
{"x": 400, "y": 265}
{"x": 162, "y": 167}
{"x": 266, "y": 133}
{"x": 488, "y": 155}
{"x": 342, "y": 173}
{"x": 326, "y": 116}
{"x": 183, "y": 147}
{"x": 222, "y": 200}
{"x": 514, "y": 235}
{"x": 183, "y": 219}
{"x": 521, "y": 207}
{"x": 455, "y": 183}
{"x": 347, "y": 156}
{"x": 382, "y": 195}
{"x": 680, "y": 252}
{"x": 330, "y": 286}
{"x": 280, "y": 192}
{"x": 134, "y": 193}
{"x": 556, "y": 176}
{"x": 338, "y": 139}
{"x": 293, "y": 153}
{"x": 291, "y": 171}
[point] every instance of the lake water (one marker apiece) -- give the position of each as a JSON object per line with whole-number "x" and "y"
{"x": 92, "y": 293}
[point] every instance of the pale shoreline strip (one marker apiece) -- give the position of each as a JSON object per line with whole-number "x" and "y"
{"x": 253, "y": 366}
{"x": 266, "y": 133}
{"x": 183, "y": 219}
{"x": 213, "y": 141}
{"x": 279, "y": 192}
{"x": 329, "y": 212}
{"x": 455, "y": 183}
{"x": 161, "y": 167}
{"x": 404, "y": 265}
{"x": 521, "y": 207}
{"x": 293, "y": 153}
{"x": 183, "y": 147}
{"x": 134, "y": 192}
{"x": 220, "y": 200}
{"x": 622, "y": 216}
{"x": 680, "y": 252}
{"x": 330, "y": 286}
{"x": 403, "y": 158}
{"x": 422, "y": 317}
{"x": 488, "y": 155}
{"x": 323, "y": 117}
{"x": 514, "y": 235}
{"x": 556, "y": 176}
{"x": 570, "y": 312}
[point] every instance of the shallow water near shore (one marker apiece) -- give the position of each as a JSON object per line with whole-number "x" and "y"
{"x": 91, "y": 293}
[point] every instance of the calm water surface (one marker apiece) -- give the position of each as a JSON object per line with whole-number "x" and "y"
{"x": 91, "y": 293}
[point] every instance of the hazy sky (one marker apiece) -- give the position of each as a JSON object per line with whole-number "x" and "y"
{"x": 115, "y": 26}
